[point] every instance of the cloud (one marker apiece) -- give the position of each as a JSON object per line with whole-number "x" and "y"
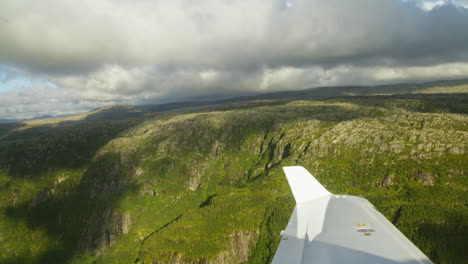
{"x": 115, "y": 85}
{"x": 108, "y": 51}
{"x": 40, "y": 100}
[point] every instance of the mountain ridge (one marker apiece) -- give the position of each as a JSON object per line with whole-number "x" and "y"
{"x": 312, "y": 93}
{"x": 203, "y": 184}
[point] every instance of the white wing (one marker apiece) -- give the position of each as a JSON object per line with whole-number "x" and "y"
{"x": 326, "y": 228}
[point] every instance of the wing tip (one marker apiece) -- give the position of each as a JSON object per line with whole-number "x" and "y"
{"x": 303, "y": 185}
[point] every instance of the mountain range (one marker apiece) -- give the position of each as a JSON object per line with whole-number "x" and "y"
{"x": 201, "y": 182}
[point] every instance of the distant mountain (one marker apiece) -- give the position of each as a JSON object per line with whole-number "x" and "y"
{"x": 9, "y": 120}
{"x": 202, "y": 182}
{"x": 132, "y": 111}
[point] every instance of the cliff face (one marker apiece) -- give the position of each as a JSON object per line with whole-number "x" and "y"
{"x": 205, "y": 185}
{"x": 102, "y": 230}
{"x": 238, "y": 248}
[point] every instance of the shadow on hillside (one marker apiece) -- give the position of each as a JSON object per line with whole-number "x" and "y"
{"x": 64, "y": 213}
{"x": 29, "y": 153}
{"x": 447, "y": 238}
{"x": 80, "y": 217}
{"x": 7, "y": 128}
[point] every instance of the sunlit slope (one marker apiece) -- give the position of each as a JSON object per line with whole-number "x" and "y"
{"x": 205, "y": 185}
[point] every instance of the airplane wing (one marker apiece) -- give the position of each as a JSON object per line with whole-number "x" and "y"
{"x": 326, "y": 228}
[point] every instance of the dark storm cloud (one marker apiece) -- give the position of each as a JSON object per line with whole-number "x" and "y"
{"x": 108, "y": 51}
{"x": 79, "y": 37}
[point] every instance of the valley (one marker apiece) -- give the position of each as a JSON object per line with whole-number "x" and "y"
{"x": 202, "y": 182}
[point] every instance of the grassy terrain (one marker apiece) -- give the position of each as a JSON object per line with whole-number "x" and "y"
{"x": 203, "y": 183}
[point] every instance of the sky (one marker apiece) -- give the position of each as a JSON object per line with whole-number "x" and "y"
{"x": 60, "y": 57}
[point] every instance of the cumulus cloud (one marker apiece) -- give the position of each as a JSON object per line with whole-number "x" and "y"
{"x": 109, "y": 51}
{"x": 40, "y": 100}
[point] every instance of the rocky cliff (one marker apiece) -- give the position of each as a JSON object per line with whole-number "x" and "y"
{"x": 204, "y": 185}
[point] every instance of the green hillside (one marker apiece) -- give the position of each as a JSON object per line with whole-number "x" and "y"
{"x": 202, "y": 183}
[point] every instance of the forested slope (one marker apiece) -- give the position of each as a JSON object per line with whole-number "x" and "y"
{"x": 205, "y": 185}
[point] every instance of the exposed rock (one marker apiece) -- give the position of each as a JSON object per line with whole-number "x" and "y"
{"x": 193, "y": 183}
{"x": 102, "y": 190}
{"x": 216, "y": 148}
{"x": 197, "y": 170}
{"x": 388, "y": 180}
{"x": 139, "y": 172}
{"x": 147, "y": 189}
{"x": 60, "y": 179}
{"x": 425, "y": 178}
{"x": 238, "y": 251}
{"x": 42, "y": 196}
{"x": 457, "y": 150}
{"x": 397, "y": 146}
{"x": 103, "y": 230}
